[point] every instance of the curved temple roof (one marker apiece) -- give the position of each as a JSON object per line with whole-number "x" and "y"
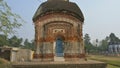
{"x": 57, "y": 6}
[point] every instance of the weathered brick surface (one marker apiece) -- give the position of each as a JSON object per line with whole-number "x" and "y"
{"x": 53, "y": 25}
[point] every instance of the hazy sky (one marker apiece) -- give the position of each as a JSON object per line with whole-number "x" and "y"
{"x": 101, "y": 16}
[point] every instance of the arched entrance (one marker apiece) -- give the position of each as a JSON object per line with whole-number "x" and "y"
{"x": 59, "y": 50}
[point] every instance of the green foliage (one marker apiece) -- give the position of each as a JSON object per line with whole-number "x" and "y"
{"x": 88, "y": 46}
{"x": 114, "y": 39}
{"x": 8, "y": 20}
{"x": 15, "y": 41}
{"x": 29, "y": 45}
{"x": 104, "y": 44}
{"x": 87, "y": 39}
{"x": 111, "y": 66}
{"x": 3, "y": 40}
{"x": 111, "y": 39}
{"x": 3, "y": 61}
{"x": 12, "y": 42}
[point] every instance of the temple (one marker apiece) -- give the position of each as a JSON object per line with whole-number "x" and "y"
{"x": 58, "y": 31}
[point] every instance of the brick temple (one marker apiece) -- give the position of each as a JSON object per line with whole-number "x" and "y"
{"x": 58, "y": 31}
{"x": 59, "y": 38}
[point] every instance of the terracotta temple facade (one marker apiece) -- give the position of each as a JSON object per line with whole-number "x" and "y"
{"x": 58, "y": 31}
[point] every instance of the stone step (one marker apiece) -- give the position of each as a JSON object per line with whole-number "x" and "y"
{"x": 36, "y": 60}
{"x": 59, "y": 59}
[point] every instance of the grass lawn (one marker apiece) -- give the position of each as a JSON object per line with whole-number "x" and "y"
{"x": 113, "y": 62}
{"x": 111, "y": 66}
{"x": 4, "y": 63}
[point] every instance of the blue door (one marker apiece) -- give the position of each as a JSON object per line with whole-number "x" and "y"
{"x": 59, "y": 48}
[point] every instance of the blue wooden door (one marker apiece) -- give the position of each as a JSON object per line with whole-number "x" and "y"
{"x": 59, "y": 47}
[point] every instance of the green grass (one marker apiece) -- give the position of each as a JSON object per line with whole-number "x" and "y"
{"x": 113, "y": 62}
{"x": 111, "y": 66}
{"x": 4, "y": 63}
{"x": 5, "y": 66}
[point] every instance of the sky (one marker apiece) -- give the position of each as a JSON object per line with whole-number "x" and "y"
{"x": 102, "y": 17}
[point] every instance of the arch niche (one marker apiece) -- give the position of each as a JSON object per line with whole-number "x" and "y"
{"x": 59, "y": 46}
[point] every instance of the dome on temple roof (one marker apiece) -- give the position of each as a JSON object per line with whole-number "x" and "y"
{"x": 59, "y": 6}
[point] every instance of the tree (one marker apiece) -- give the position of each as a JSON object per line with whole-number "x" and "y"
{"x": 29, "y": 45}
{"x": 8, "y": 20}
{"x": 12, "y": 42}
{"x": 15, "y": 41}
{"x": 104, "y": 45}
{"x": 114, "y": 39}
{"x": 111, "y": 39}
{"x": 3, "y": 40}
{"x": 87, "y": 39}
{"x": 88, "y": 45}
